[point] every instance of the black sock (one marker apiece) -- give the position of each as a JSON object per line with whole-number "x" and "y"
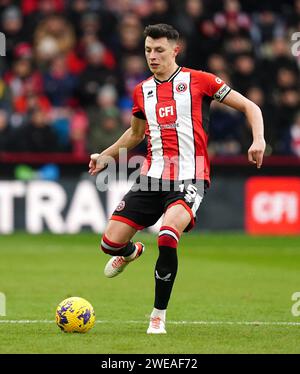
{"x": 165, "y": 273}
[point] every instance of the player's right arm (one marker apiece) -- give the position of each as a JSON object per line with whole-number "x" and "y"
{"x": 131, "y": 138}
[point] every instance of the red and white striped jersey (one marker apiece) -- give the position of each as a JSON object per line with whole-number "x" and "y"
{"x": 177, "y": 115}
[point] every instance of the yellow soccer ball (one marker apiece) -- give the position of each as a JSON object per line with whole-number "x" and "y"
{"x": 75, "y": 314}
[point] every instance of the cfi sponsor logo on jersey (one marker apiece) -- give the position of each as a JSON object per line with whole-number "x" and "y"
{"x": 121, "y": 206}
{"x": 181, "y": 87}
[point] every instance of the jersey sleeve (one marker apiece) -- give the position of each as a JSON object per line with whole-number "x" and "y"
{"x": 137, "y": 108}
{"x": 215, "y": 87}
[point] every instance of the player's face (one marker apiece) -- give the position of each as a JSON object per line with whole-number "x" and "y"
{"x": 160, "y": 55}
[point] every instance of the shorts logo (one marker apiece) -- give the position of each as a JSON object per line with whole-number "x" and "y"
{"x": 121, "y": 206}
{"x": 181, "y": 87}
{"x": 190, "y": 192}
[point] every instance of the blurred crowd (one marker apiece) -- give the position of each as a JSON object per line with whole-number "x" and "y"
{"x": 67, "y": 78}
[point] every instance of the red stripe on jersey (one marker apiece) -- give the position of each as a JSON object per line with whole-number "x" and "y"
{"x": 200, "y": 136}
{"x": 167, "y": 118}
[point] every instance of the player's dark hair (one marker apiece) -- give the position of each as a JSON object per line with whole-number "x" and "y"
{"x": 161, "y": 30}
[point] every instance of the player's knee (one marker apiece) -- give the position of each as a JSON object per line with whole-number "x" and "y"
{"x": 168, "y": 237}
{"x": 110, "y": 247}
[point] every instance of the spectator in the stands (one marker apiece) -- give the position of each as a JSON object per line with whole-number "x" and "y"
{"x": 106, "y": 99}
{"x": 78, "y": 132}
{"x": 160, "y": 12}
{"x": 108, "y": 131}
{"x": 216, "y": 63}
{"x": 5, "y": 131}
{"x": 189, "y": 18}
{"x": 206, "y": 41}
{"x": 225, "y": 129}
{"x": 78, "y": 8}
{"x": 293, "y": 18}
{"x": 31, "y": 100}
{"x": 53, "y": 36}
{"x": 5, "y": 97}
{"x": 23, "y": 79}
{"x": 267, "y": 25}
{"x": 89, "y": 24}
{"x": 235, "y": 46}
{"x": 245, "y": 73}
{"x": 133, "y": 72}
{"x": 232, "y": 20}
{"x": 36, "y": 136}
{"x": 125, "y": 105}
{"x": 53, "y": 43}
{"x": 59, "y": 83}
{"x": 294, "y": 136}
{"x": 130, "y": 37}
{"x": 12, "y": 27}
{"x": 36, "y": 11}
{"x": 91, "y": 32}
{"x": 277, "y": 56}
{"x": 288, "y": 105}
{"x": 104, "y": 120}
{"x": 95, "y": 75}
{"x": 286, "y": 78}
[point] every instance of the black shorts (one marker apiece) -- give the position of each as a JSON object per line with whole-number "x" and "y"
{"x": 149, "y": 198}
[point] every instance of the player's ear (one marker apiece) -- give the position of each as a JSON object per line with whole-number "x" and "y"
{"x": 176, "y": 50}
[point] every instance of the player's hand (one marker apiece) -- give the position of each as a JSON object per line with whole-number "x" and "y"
{"x": 97, "y": 163}
{"x": 256, "y": 152}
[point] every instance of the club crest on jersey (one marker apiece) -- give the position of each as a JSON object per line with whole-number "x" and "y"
{"x": 181, "y": 87}
{"x": 121, "y": 206}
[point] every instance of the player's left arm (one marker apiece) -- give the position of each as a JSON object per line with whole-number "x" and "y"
{"x": 255, "y": 119}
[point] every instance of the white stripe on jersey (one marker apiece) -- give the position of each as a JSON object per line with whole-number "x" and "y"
{"x": 185, "y": 128}
{"x": 150, "y": 101}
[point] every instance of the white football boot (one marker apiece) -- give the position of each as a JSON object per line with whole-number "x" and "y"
{"x": 117, "y": 264}
{"x": 156, "y": 326}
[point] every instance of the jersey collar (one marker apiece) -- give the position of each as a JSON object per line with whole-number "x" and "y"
{"x": 176, "y": 72}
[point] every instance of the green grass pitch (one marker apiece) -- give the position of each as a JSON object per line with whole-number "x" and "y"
{"x": 223, "y": 282}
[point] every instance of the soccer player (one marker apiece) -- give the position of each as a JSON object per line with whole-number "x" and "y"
{"x": 172, "y": 109}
